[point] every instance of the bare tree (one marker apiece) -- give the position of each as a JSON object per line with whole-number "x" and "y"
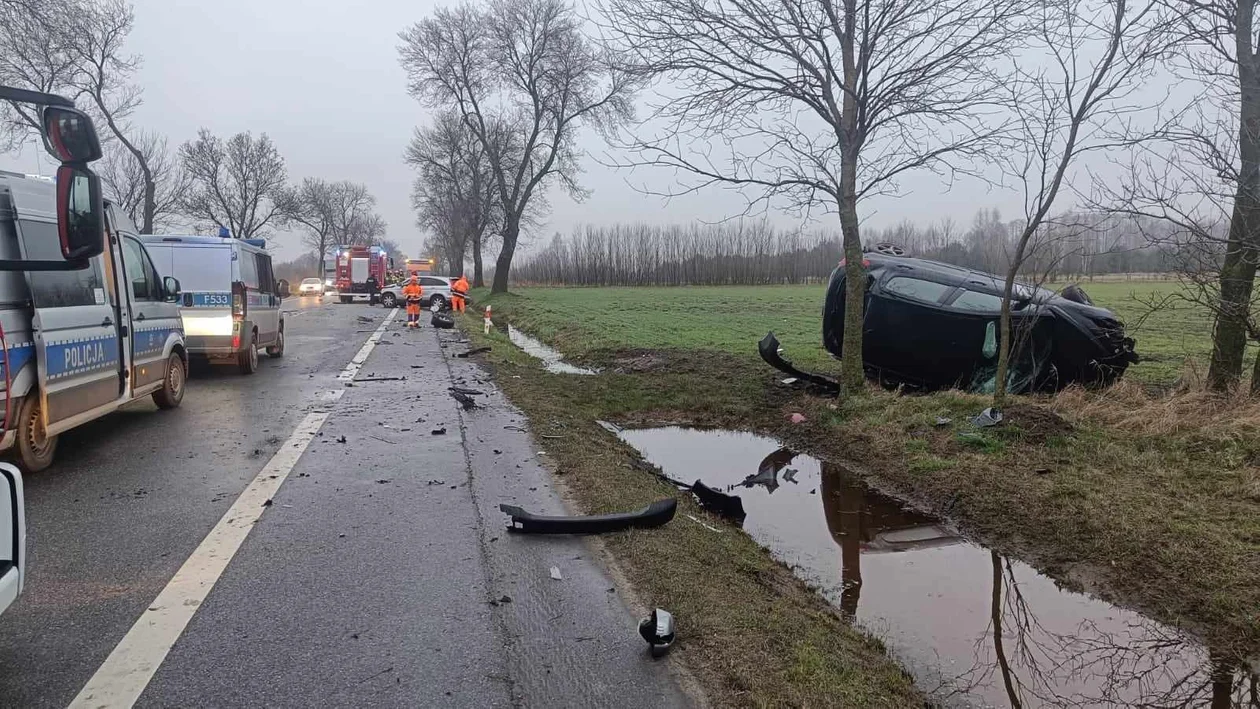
{"x": 235, "y": 184}
{"x": 455, "y": 194}
{"x": 1099, "y": 53}
{"x": 524, "y": 79}
{"x": 1205, "y": 179}
{"x": 128, "y": 181}
{"x": 34, "y": 54}
{"x": 817, "y": 102}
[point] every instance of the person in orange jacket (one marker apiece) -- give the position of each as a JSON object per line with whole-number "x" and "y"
{"x": 459, "y": 293}
{"x": 411, "y": 294}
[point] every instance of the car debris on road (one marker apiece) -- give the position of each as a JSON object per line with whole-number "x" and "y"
{"x": 658, "y": 630}
{"x": 654, "y": 515}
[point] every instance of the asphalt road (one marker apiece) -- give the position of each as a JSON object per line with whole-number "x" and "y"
{"x": 368, "y": 578}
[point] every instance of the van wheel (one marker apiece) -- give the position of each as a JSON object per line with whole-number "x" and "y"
{"x": 276, "y": 351}
{"x": 248, "y": 360}
{"x": 172, "y": 391}
{"x": 35, "y": 447}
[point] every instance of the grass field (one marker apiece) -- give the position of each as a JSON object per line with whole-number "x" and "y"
{"x": 1153, "y": 499}
{"x": 732, "y": 319}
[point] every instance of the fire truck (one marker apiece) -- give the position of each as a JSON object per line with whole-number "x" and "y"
{"x": 355, "y": 264}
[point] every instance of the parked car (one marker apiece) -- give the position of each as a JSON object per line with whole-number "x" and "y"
{"x": 311, "y": 286}
{"x": 437, "y": 291}
{"x": 931, "y": 325}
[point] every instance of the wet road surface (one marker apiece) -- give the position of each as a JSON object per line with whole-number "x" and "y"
{"x": 368, "y": 578}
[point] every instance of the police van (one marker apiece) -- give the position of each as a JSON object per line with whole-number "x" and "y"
{"x": 231, "y": 298}
{"x": 87, "y": 324}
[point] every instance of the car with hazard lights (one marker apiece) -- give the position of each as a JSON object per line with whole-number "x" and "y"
{"x": 87, "y": 324}
{"x": 230, "y": 300}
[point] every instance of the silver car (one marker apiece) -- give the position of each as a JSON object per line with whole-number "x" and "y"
{"x": 437, "y": 290}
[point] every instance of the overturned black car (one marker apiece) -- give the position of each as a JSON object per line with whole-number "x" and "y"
{"x": 930, "y": 325}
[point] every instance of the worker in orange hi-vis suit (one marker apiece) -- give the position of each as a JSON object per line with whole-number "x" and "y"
{"x": 411, "y": 293}
{"x": 459, "y": 293}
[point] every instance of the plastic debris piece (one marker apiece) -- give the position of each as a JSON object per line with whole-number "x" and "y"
{"x": 439, "y": 431}
{"x": 797, "y": 418}
{"x": 988, "y": 417}
{"x": 658, "y": 630}
{"x": 943, "y": 421}
{"x": 730, "y": 506}
{"x": 609, "y": 426}
{"x": 555, "y": 573}
{"x": 473, "y": 351}
{"x": 654, "y": 515}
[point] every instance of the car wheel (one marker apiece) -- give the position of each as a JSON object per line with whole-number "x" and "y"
{"x": 35, "y": 448}
{"x": 389, "y": 300}
{"x": 248, "y": 360}
{"x": 891, "y": 249}
{"x": 276, "y": 351}
{"x": 439, "y": 301}
{"x": 172, "y": 391}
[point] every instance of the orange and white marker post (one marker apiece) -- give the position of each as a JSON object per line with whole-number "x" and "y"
{"x": 487, "y": 319}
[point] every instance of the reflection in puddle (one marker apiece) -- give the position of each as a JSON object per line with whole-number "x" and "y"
{"x": 974, "y": 628}
{"x": 552, "y": 360}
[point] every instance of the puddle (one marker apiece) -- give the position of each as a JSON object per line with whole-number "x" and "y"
{"x": 552, "y": 360}
{"x": 937, "y": 599}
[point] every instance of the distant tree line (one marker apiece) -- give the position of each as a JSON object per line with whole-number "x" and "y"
{"x": 755, "y": 252}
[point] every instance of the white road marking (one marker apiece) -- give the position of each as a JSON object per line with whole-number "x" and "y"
{"x": 356, "y": 364}
{"x": 124, "y": 675}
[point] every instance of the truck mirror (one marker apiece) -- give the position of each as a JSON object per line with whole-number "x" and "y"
{"x": 80, "y": 213}
{"x": 69, "y": 135}
{"x": 171, "y": 286}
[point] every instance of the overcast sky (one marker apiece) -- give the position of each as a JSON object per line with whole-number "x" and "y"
{"x": 323, "y": 80}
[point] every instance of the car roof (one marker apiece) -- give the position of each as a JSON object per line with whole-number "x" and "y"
{"x": 199, "y": 240}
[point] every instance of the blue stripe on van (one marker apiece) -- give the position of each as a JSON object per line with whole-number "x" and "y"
{"x": 206, "y": 299}
{"x": 89, "y": 354}
{"x": 19, "y": 355}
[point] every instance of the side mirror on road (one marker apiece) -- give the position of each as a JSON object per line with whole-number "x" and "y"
{"x": 282, "y": 287}
{"x": 171, "y": 286}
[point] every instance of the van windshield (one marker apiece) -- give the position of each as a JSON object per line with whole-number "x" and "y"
{"x": 202, "y": 269}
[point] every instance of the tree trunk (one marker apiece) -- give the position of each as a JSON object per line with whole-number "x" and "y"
{"x": 1255, "y": 378}
{"x": 479, "y": 280}
{"x": 1005, "y": 341}
{"x": 852, "y": 378}
{"x": 511, "y": 231}
{"x": 150, "y": 202}
{"x": 1229, "y": 336}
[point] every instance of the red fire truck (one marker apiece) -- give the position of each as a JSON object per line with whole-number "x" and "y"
{"x": 355, "y": 264}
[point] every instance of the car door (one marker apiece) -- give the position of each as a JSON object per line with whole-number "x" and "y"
{"x": 269, "y": 300}
{"x": 153, "y": 319}
{"x": 78, "y": 334}
{"x": 904, "y": 331}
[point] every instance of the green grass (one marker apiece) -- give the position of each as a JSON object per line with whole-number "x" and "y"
{"x": 1151, "y": 501}
{"x": 732, "y": 319}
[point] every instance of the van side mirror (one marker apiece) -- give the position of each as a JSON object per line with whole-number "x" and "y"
{"x": 282, "y": 287}
{"x": 69, "y": 135}
{"x": 80, "y": 213}
{"x": 170, "y": 286}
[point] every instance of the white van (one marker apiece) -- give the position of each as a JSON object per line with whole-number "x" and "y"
{"x": 78, "y": 344}
{"x": 231, "y": 299}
